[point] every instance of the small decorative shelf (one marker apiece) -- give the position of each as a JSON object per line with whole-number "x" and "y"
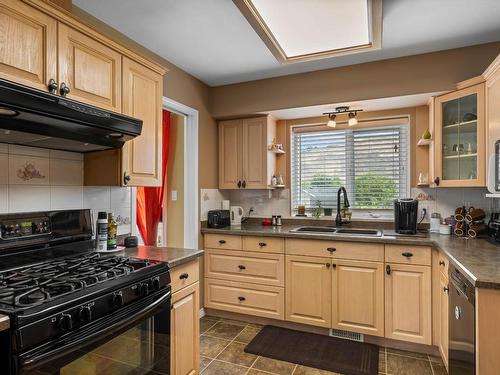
{"x": 492, "y": 195}
{"x": 460, "y": 156}
{"x": 276, "y": 186}
{"x": 423, "y": 185}
{"x": 424, "y": 142}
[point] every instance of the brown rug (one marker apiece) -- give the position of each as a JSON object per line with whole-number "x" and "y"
{"x": 318, "y": 351}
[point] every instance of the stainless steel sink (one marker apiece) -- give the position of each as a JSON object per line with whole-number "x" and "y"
{"x": 359, "y": 232}
{"x": 314, "y": 230}
{"x": 362, "y": 232}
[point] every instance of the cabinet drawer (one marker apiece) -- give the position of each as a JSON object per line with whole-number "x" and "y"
{"x": 244, "y": 298}
{"x": 444, "y": 264}
{"x": 184, "y": 275}
{"x": 264, "y": 244}
{"x": 337, "y": 249}
{"x": 408, "y": 254}
{"x": 222, "y": 241}
{"x": 267, "y": 269}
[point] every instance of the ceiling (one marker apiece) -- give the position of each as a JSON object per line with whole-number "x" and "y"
{"x": 214, "y": 42}
{"x": 366, "y": 105}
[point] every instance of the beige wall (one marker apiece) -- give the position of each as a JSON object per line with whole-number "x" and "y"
{"x": 175, "y": 182}
{"x": 431, "y": 72}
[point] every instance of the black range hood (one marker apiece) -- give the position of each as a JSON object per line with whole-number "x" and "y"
{"x": 35, "y": 118}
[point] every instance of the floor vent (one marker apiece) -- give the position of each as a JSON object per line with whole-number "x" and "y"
{"x": 347, "y": 335}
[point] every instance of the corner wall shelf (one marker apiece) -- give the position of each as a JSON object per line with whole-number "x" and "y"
{"x": 424, "y": 142}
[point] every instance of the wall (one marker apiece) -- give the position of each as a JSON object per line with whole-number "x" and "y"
{"x": 37, "y": 179}
{"x": 430, "y": 72}
{"x": 175, "y": 182}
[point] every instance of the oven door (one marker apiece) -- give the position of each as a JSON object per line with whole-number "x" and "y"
{"x": 134, "y": 340}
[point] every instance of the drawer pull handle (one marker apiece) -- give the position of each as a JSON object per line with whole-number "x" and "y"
{"x": 184, "y": 276}
{"x": 388, "y": 269}
{"x": 331, "y": 249}
{"x": 407, "y": 255}
{"x": 222, "y": 242}
{"x": 242, "y": 267}
{"x": 241, "y": 299}
{"x": 446, "y": 289}
{"x": 441, "y": 263}
{"x": 327, "y": 265}
{"x": 262, "y": 244}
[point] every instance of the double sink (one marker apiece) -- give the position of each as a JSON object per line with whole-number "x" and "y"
{"x": 358, "y": 232}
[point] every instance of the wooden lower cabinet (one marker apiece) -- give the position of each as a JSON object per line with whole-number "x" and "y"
{"x": 185, "y": 328}
{"x": 358, "y": 297}
{"x": 408, "y": 310}
{"x": 309, "y": 290}
{"x": 443, "y": 319}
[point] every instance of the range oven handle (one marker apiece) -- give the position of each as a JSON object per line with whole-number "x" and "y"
{"x": 78, "y": 339}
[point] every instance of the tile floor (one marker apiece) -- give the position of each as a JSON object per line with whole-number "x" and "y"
{"x": 223, "y": 341}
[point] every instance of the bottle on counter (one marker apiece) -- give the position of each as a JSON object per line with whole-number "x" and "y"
{"x": 102, "y": 231}
{"x": 112, "y": 231}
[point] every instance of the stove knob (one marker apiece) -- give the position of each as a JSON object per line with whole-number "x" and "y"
{"x": 156, "y": 283}
{"x": 65, "y": 322}
{"x": 144, "y": 289}
{"x": 118, "y": 299}
{"x": 85, "y": 314}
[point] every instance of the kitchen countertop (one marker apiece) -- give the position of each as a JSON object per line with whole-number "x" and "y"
{"x": 478, "y": 259}
{"x": 4, "y": 323}
{"x": 173, "y": 256}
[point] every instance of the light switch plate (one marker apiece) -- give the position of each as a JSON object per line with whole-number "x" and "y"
{"x": 174, "y": 195}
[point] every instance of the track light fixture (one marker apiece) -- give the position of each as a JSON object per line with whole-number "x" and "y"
{"x": 343, "y": 109}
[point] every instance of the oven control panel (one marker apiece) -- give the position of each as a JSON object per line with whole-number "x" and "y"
{"x": 22, "y": 228}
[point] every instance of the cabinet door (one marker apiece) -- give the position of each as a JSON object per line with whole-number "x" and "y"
{"x": 408, "y": 303}
{"x": 230, "y": 154}
{"x": 255, "y": 174}
{"x": 460, "y": 158}
{"x": 91, "y": 70}
{"x": 141, "y": 157}
{"x": 358, "y": 297}
{"x": 185, "y": 331}
{"x": 309, "y": 290}
{"x": 28, "y": 45}
{"x": 443, "y": 319}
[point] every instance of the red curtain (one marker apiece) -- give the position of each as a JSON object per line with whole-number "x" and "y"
{"x": 150, "y": 199}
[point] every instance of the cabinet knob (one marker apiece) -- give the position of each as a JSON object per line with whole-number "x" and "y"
{"x": 242, "y": 267}
{"x": 262, "y": 244}
{"x": 64, "y": 90}
{"x": 388, "y": 269}
{"x": 334, "y": 265}
{"x": 331, "y": 249}
{"x": 126, "y": 178}
{"x": 441, "y": 263}
{"x": 437, "y": 180}
{"x": 407, "y": 254}
{"x": 446, "y": 289}
{"x": 241, "y": 299}
{"x": 53, "y": 86}
{"x": 239, "y": 184}
{"x": 327, "y": 265}
{"x": 244, "y": 184}
{"x": 222, "y": 242}
{"x": 184, "y": 276}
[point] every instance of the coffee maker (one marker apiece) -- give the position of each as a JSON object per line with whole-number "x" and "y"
{"x": 494, "y": 227}
{"x": 405, "y": 216}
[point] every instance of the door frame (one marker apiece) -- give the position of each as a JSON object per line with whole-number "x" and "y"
{"x": 191, "y": 204}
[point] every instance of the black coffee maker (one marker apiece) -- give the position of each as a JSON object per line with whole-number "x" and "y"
{"x": 405, "y": 216}
{"x": 494, "y": 227}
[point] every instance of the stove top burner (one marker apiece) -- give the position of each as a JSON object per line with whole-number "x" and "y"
{"x": 34, "y": 285}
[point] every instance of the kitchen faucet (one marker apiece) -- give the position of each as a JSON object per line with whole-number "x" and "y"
{"x": 338, "y": 218}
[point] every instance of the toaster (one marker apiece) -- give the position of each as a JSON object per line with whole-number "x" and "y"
{"x": 219, "y": 218}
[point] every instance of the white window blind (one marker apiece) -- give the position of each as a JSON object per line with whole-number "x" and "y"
{"x": 371, "y": 163}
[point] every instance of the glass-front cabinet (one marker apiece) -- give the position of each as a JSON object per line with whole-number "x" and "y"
{"x": 459, "y": 148}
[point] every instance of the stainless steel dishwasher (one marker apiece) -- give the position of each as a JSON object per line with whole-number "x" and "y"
{"x": 462, "y": 343}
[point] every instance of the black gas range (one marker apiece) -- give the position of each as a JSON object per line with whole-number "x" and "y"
{"x": 67, "y": 304}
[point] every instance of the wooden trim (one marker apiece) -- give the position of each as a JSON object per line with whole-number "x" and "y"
{"x": 253, "y": 17}
{"x": 470, "y": 82}
{"x": 492, "y": 69}
{"x": 68, "y": 18}
{"x": 487, "y": 331}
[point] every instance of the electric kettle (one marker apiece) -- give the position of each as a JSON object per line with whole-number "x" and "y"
{"x": 236, "y": 215}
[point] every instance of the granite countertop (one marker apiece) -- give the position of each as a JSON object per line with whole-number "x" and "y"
{"x": 478, "y": 259}
{"x": 173, "y": 256}
{"x": 4, "y": 323}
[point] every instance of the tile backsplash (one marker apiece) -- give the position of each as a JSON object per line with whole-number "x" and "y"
{"x": 36, "y": 179}
{"x": 442, "y": 200}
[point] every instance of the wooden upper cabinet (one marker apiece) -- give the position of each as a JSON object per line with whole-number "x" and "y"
{"x": 358, "y": 297}
{"x": 408, "y": 311}
{"x": 460, "y": 138}
{"x": 244, "y": 161}
{"x": 141, "y": 157}
{"x": 28, "y": 45}
{"x": 91, "y": 70}
{"x": 230, "y": 155}
{"x": 308, "y": 289}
